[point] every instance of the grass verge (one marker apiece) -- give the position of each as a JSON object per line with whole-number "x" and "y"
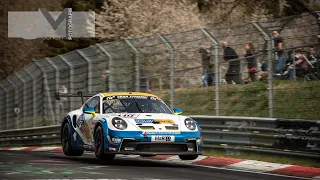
{"x": 292, "y": 99}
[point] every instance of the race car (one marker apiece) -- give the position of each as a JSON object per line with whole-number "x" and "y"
{"x": 128, "y": 123}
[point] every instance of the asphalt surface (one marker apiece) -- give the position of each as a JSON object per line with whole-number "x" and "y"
{"x": 55, "y": 165}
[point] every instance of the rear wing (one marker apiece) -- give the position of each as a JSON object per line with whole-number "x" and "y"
{"x": 79, "y": 94}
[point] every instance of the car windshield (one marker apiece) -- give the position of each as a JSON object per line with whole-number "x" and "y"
{"x": 134, "y": 104}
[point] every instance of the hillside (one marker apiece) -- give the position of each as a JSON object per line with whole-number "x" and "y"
{"x": 291, "y": 100}
{"x": 127, "y": 18}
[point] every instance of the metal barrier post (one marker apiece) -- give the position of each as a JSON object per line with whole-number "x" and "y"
{"x": 171, "y": 47}
{"x": 57, "y": 82}
{"x": 160, "y": 83}
{"x": 71, "y": 83}
{"x": 46, "y": 87}
{"x": 16, "y": 101}
{"x": 34, "y": 99}
{"x": 137, "y": 63}
{"x": 270, "y": 67}
{"x": 241, "y": 70}
{"x": 294, "y": 66}
{"x": 24, "y": 100}
{"x": 111, "y": 76}
{"x": 1, "y": 124}
{"x": 7, "y": 114}
{"x": 217, "y": 71}
{"x": 89, "y": 70}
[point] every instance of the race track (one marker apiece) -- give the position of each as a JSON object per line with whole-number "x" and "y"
{"x": 55, "y": 165}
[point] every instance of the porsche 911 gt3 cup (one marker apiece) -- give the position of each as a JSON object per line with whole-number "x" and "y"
{"x": 128, "y": 123}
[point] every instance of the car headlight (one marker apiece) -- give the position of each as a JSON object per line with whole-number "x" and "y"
{"x": 190, "y": 123}
{"x": 119, "y": 123}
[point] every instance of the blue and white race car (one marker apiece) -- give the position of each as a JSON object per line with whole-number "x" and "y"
{"x": 128, "y": 123}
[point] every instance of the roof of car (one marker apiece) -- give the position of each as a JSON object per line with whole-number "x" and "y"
{"x": 128, "y": 94}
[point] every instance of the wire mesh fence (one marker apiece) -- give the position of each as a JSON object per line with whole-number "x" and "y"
{"x": 169, "y": 63}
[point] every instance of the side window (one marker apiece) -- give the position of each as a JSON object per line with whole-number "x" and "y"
{"x": 94, "y": 103}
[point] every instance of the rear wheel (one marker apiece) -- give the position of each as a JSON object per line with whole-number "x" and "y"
{"x": 188, "y": 157}
{"x": 99, "y": 146}
{"x": 66, "y": 142}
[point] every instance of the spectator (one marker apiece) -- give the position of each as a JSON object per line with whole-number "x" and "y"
{"x": 64, "y": 100}
{"x": 251, "y": 61}
{"x": 302, "y": 61}
{"x": 105, "y": 76}
{"x": 207, "y": 73}
{"x": 313, "y": 56}
{"x": 63, "y": 90}
{"x": 233, "y": 73}
{"x": 281, "y": 57}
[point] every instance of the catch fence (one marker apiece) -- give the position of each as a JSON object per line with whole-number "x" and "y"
{"x": 164, "y": 64}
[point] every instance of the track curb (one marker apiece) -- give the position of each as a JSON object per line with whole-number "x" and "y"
{"x": 210, "y": 161}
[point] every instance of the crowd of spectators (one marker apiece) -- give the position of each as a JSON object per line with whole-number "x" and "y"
{"x": 287, "y": 64}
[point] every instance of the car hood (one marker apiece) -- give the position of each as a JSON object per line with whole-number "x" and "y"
{"x": 153, "y": 121}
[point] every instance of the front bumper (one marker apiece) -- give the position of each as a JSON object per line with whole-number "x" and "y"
{"x": 134, "y": 142}
{"x": 153, "y": 148}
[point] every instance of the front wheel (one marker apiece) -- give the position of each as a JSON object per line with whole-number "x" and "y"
{"x": 188, "y": 157}
{"x": 99, "y": 146}
{"x": 66, "y": 142}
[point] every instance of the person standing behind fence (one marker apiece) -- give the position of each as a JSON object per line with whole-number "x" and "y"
{"x": 63, "y": 90}
{"x": 281, "y": 57}
{"x": 233, "y": 73}
{"x": 207, "y": 74}
{"x": 251, "y": 61}
{"x": 105, "y": 78}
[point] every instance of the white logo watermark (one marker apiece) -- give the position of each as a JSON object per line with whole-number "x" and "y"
{"x": 44, "y": 24}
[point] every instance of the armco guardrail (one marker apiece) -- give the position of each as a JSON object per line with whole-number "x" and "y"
{"x": 264, "y": 135}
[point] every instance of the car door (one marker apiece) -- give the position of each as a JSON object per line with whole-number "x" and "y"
{"x": 87, "y": 121}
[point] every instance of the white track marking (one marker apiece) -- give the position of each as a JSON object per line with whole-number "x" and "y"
{"x": 228, "y": 169}
{"x": 257, "y": 166}
{"x": 17, "y": 149}
{"x": 45, "y": 148}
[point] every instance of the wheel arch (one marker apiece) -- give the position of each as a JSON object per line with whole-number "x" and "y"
{"x": 104, "y": 125}
{"x": 67, "y": 119}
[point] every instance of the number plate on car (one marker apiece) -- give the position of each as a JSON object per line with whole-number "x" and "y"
{"x": 163, "y": 138}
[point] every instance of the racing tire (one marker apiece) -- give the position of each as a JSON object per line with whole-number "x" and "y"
{"x": 66, "y": 142}
{"x": 188, "y": 157}
{"x": 99, "y": 146}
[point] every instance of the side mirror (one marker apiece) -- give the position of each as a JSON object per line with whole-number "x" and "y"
{"x": 177, "y": 111}
{"x": 89, "y": 110}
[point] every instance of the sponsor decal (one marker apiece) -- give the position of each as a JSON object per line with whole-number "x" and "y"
{"x": 125, "y": 115}
{"x": 80, "y": 121}
{"x": 132, "y": 97}
{"x": 87, "y": 146}
{"x": 86, "y": 131}
{"x": 112, "y": 149}
{"x": 93, "y": 123}
{"x": 154, "y": 121}
{"x": 129, "y": 148}
{"x": 145, "y": 135}
{"x": 116, "y": 140}
{"x": 161, "y": 132}
{"x": 190, "y": 149}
